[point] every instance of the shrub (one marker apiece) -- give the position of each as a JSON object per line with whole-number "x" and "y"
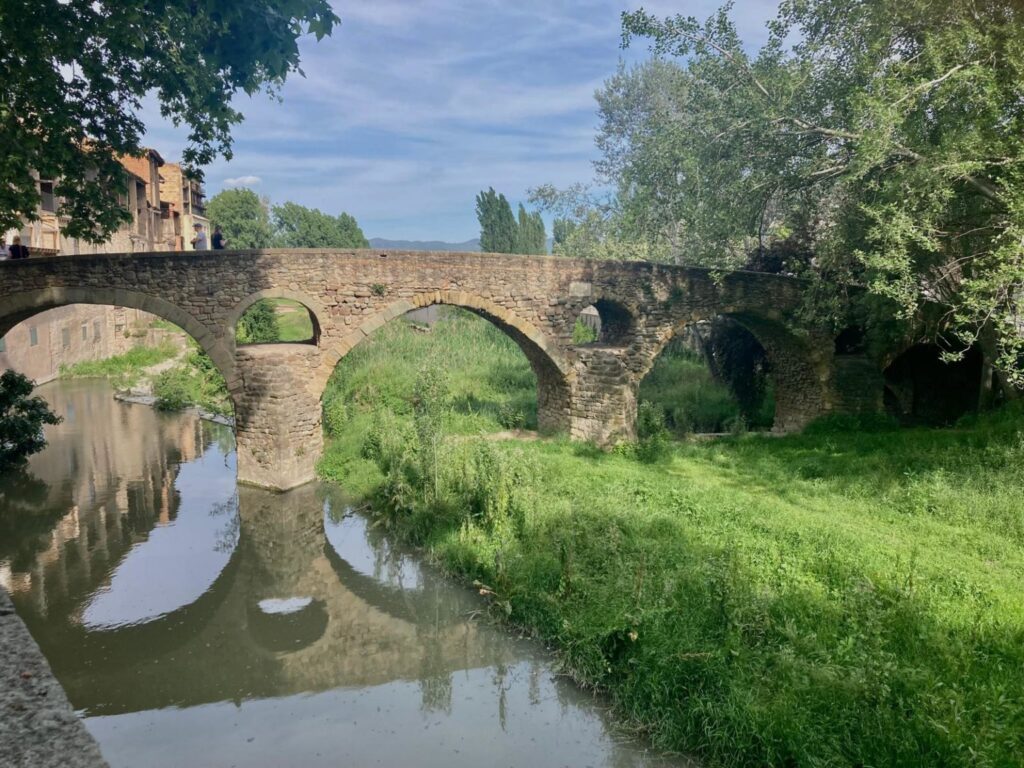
{"x": 22, "y": 417}
{"x": 652, "y": 436}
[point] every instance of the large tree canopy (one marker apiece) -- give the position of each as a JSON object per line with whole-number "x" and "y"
{"x": 887, "y": 140}
{"x": 502, "y": 232}
{"x": 244, "y": 218}
{"x": 73, "y": 74}
{"x": 301, "y": 227}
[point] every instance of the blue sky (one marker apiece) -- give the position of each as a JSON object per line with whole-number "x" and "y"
{"x": 411, "y": 108}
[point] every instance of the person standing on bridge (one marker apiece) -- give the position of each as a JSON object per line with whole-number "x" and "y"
{"x": 199, "y": 241}
{"x": 218, "y": 238}
{"x": 17, "y": 250}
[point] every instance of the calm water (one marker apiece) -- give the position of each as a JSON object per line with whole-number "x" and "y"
{"x": 196, "y": 623}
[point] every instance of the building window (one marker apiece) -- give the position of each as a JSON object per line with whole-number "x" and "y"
{"x": 49, "y": 202}
{"x": 95, "y": 330}
{"x": 33, "y": 336}
{"x": 85, "y": 331}
{"x": 65, "y": 337}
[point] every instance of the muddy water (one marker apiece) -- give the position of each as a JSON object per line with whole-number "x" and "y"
{"x": 197, "y": 623}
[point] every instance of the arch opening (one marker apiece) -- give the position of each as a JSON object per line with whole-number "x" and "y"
{"x": 605, "y": 322}
{"x": 923, "y": 389}
{"x": 277, "y": 321}
{"x": 852, "y": 340}
{"x": 712, "y": 376}
{"x": 143, "y": 344}
{"x": 499, "y": 375}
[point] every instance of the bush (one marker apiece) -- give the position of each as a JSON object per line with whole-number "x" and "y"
{"x": 652, "y": 437}
{"x": 22, "y": 417}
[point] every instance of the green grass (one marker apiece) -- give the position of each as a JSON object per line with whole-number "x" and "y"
{"x": 293, "y": 320}
{"x": 125, "y": 370}
{"x": 194, "y": 382}
{"x": 847, "y": 596}
{"x": 284, "y": 320}
{"x": 492, "y": 386}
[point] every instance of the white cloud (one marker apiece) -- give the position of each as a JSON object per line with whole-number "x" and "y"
{"x": 413, "y": 106}
{"x": 242, "y": 181}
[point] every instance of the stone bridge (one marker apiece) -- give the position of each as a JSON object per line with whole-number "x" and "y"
{"x": 587, "y": 391}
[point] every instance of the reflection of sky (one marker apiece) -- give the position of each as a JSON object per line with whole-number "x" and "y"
{"x": 483, "y": 719}
{"x": 349, "y": 539}
{"x": 179, "y": 560}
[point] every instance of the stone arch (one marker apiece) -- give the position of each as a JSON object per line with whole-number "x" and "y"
{"x": 800, "y": 378}
{"x": 315, "y": 309}
{"x": 615, "y": 323}
{"x": 553, "y": 371}
{"x": 23, "y": 305}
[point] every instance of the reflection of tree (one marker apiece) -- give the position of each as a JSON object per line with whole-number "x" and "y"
{"x": 25, "y": 521}
{"x": 436, "y": 693}
{"x": 227, "y": 537}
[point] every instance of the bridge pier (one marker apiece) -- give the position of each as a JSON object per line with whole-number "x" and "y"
{"x": 277, "y": 415}
{"x": 603, "y": 407}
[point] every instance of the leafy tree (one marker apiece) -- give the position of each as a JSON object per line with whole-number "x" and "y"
{"x": 258, "y": 325}
{"x": 592, "y": 226}
{"x": 888, "y": 140}
{"x": 300, "y": 227}
{"x": 502, "y": 232}
{"x": 531, "y": 237}
{"x": 499, "y": 232}
{"x": 73, "y": 76}
{"x": 22, "y": 417}
{"x": 243, "y": 218}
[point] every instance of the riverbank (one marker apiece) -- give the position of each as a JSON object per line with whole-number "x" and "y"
{"x": 850, "y": 596}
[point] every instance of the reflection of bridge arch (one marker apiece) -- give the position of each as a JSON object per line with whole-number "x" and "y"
{"x": 373, "y": 633}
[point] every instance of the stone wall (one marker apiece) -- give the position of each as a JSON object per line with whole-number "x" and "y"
{"x": 589, "y": 392}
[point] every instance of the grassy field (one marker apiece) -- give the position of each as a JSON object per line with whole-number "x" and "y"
{"x": 124, "y": 370}
{"x": 843, "y": 597}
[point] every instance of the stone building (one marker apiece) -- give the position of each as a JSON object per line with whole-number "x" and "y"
{"x": 184, "y": 205}
{"x": 39, "y": 346}
{"x": 141, "y": 196}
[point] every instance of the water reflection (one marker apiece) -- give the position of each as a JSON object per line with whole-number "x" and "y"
{"x": 196, "y": 623}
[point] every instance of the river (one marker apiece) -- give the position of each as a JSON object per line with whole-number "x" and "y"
{"x": 197, "y": 623}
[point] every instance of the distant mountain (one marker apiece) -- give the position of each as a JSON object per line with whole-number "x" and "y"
{"x": 424, "y": 245}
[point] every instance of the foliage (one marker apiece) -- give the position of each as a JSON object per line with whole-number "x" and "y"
{"x": 591, "y": 226}
{"x": 299, "y": 227}
{"x": 681, "y": 383}
{"x": 195, "y": 382}
{"x": 243, "y": 218}
{"x": 258, "y": 325}
{"x": 501, "y": 232}
{"x": 73, "y": 76}
{"x": 652, "y": 439}
{"x": 886, "y": 137}
{"x": 22, "y": 417}
{"x": 583, "y": 333}
{"x": 531, "y": 238}
{"x": 124, "y": 370}
{"x": 431, "y": 399}
{"x": 490, "y": 383}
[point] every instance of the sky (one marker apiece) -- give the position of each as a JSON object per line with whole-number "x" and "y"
{"x": 412, "y": 107}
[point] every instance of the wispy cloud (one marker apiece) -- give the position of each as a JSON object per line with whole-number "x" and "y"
{"x": 411, "y": 108}
{"x": 242, "y": 181}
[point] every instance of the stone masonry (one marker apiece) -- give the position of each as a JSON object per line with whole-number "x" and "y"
{"x": 587, "y": 391}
